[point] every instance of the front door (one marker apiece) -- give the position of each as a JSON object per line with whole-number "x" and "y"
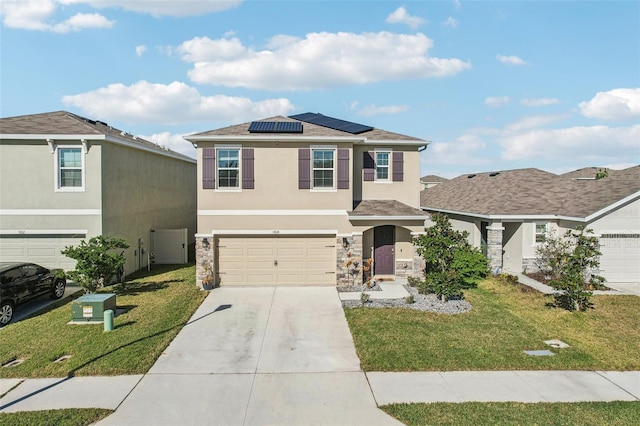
{"x": 383, "y": 255}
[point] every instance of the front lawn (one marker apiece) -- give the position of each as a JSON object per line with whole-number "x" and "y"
{"x": 158, "y": 304}
{"x": 511, "y": 413}
{"x": 67, "y": 417}
{"x": 503, "y": 323}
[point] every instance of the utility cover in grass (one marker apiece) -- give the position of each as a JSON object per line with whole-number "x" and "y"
{"x": 543, "y": 352}
{"x": 556, "y": 343}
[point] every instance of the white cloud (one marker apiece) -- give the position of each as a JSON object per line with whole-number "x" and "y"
{"x": 466, "y": 149}
{"x": 371, "y": 110}
{"x": 587, "y": 145}
{"x": 533, "y": 122}
{"x": 174, "y": 103}
{"x": 496, "y": 101}
{"x": 510, "y": 60}
{"x": 400, "y": 16}
{"x": 451, "y": 22}
{"x": 173, "y": 141}
{"x": 457, "y": 4}
{"x": 320, "y": 60}
{"x": 616, "y": 104}
{"x": 37, "y": 15}
{"x": 140, "y": 50}
{"x": 532, "y": 102}
{"x": 176, "y": 8}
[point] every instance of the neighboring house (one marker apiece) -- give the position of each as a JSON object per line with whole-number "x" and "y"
{"x": 430, "y": 181}
{"x": 509, "y": 213}
{"x": 65, "y": 178}
{"x": 303, "y": 200}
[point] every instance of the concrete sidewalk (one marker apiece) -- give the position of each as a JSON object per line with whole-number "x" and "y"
{"x": 387, "y": 388}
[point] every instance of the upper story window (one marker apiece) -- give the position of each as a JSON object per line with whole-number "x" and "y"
{"x": 228, "y": 168}
{"x": 323, "y": 168}
{"x": 541, "y": 232}
{"x": 382, "y": 165}
{"x": 69, "y": 169}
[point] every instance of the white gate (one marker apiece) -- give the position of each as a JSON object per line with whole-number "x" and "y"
{"x": 169, "y": 246}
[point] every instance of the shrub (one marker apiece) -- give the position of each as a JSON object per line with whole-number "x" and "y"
{"x": 97, "y": 263}
{"x": 451, "y": 263}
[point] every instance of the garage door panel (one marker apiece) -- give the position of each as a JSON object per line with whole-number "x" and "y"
{"x": 620, "y": 259}
{"x": 277, "y": 261}
{"x": 42, "y": 249}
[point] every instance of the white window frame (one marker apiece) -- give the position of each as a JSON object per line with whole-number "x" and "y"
{"x": 389, "y": 165}
{"x": 219, "y": 148}
{"x": 536, "y": 233}
{"x": 57, "y": 170}
{"x": 334, "y": 169}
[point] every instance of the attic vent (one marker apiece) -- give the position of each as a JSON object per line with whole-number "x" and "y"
{"x": 101, "y": 122}
{"x": 494, "y": 174}
{"x": 471, "y": 176}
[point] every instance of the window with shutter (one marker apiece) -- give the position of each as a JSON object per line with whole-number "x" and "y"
{"x": 247, "y": 168}
{"x": 304, "y": 168}
{"x": 208, "y": 168}
{"x": 398, "y": 166}
{"x": 343, "y": 169}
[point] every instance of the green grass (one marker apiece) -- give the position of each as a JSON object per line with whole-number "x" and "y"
{"x": 503, "y": 323}
{"x": 510, "y": 413}
{"x": 69, "y": 417}
{"x": 158, "y": 305}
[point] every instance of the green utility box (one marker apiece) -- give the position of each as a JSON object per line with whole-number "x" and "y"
{"x": 91, "y": 307}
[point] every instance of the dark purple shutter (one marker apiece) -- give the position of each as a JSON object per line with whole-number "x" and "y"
{"x": 304, "y": 168}
{"x": 369, "y": 167}
{"x": 398, "y": 166}
{"x": 343, "y": 169}
{"x": 208, "y": 168}
{"x": 247, "y": 168}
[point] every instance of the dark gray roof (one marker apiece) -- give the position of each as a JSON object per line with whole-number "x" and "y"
{"x": 66, "y": 123}
{"x": 385, "y": 208}
{"x": 530, "y": 192}
{"x": 308, "y": 129}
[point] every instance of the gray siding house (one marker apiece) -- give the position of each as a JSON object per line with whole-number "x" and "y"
{"x": 64, "y": 178}
{"x": 508, "y": 213}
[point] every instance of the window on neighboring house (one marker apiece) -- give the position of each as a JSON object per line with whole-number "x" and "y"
{"x": 228, "y": 168}
{"x": 541, "y": 232}
{"x": 70, "y": 165}
{"x": 323, "y": 165}
{"x": 382, "y": 165}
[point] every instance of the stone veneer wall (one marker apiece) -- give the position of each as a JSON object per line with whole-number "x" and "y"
{"x": 204, "y": 259}
{"x": 353, "y": 252}
{"x": 494, "y": 246}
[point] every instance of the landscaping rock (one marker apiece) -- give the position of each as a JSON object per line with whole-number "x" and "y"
{"x": 422, "y": 302}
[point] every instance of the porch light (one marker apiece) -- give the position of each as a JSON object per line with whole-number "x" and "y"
{"x": 205, "y": 243}
{"x": 345, "y": 243}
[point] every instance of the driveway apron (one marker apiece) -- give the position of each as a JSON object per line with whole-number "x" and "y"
{"x": 257, "y": 356}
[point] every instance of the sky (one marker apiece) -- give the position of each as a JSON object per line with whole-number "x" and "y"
{"x": 491, "y": 85}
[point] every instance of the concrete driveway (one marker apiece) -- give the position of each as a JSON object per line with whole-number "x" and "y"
{"x": 257, "y": 356}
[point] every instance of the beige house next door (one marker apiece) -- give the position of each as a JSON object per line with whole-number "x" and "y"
{"x": 276, "y": 260}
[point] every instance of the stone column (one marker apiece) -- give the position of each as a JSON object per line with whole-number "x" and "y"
{"x": 205, "y": 266}
{"x": 349, "y": 259}
{"x": 418, "y": 262}
{"x": 494, "y": 246}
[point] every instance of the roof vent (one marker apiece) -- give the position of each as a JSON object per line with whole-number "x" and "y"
{"x": 471, "y": 176}
{"x": 494, "y": 174}
{"x": 101, "y": 122}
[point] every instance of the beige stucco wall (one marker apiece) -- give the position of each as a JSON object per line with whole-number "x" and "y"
{"x": 144, "y": 191}
{"x": 275, "y": 183}
{"x": 407, "y": 191}
{"x": 624, "y": 219}
{"x": 512, "y": 238}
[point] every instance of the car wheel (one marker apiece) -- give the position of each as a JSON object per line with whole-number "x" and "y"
{"x": 58, "y": 289}
{"x": 6, "y": 313}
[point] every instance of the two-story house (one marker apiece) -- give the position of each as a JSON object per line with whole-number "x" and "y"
{"x": 305, "y": 200}
{"x": 66, "y": 178}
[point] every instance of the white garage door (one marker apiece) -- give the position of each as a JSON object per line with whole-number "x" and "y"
{"x": 277, "y": 261}
{"x": 620, "y": 260}
{"x": 41, "y": 249}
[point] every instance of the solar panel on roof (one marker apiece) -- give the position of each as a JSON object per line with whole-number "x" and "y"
{"x": 275, "y": 127}
{"x": 332, "y": 123}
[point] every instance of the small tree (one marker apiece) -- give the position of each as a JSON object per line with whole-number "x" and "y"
{"x": 570, "y": 260}
{"x": 97, "y": 263}
{"x": 451, "y": 263}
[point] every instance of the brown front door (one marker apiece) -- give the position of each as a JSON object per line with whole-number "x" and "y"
{"x": 383, "y": 255}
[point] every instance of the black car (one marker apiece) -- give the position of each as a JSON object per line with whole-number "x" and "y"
{"x": 22, "y": 282}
